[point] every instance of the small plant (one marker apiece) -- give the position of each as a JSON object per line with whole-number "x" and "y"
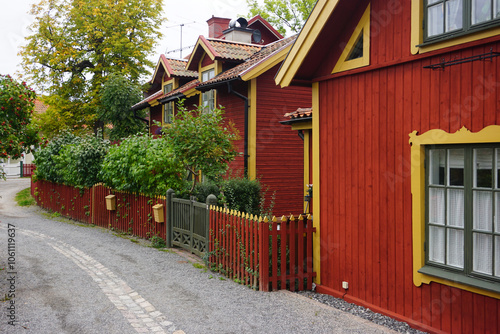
{"x": 198, "y": 266}
{"x": 158, "y": 242}
{"x": 23, "y": 198}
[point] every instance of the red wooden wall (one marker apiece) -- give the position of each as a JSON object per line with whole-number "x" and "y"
{"x": 366, "y": 210}
{"x": 280, "y": 151}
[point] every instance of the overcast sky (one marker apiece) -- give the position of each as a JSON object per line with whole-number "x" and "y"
{"x": 14, "y": 22}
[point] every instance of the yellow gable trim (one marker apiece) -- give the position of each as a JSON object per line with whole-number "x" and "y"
{"x": 266, "y": 65}
{"x": 490, "y": 134}
{"x": 310, "y": 32}
{"x": 198, "y": 45}
{"x": 363, "y": 27}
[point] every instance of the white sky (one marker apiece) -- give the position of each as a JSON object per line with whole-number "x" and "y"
{"x": 14, "y": 22}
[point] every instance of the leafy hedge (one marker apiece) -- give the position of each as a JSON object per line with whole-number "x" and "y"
{"x": 142, "y": 164}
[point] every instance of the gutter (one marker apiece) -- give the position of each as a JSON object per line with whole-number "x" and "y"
{"x": 245, "y": 99}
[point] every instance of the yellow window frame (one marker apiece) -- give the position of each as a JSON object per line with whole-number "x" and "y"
{"x": 490, "y": 134}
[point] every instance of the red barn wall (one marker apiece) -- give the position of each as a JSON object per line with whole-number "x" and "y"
{"x": 280, "y": 152}
{"x": 366, "y": 210}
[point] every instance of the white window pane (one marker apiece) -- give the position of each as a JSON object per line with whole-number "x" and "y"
{"x": 497, "y": 213}
{"x": 456, "y": 207}
{"x": 436, "y": 206}
{"x": 496, "y": 9}
{"x": 482, "y": 253}
{"x": 436, "y": 244}
{"x": 498, "y": 167}
{"x": 456, "y": 167}
{"x": 483, "y": 168}
{"x": 454, "y": 15}
{"x": 497, "y": 256}
{"x": 435, "y": 17}
{"x": 481, "y": 11}
{"x": 437, "y": 166}
{"x": 455, "y": 254}
{"x": 482, "y": 208}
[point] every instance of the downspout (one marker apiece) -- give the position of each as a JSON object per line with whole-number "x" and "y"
{"x": 245, "y": 99}
{"x": 301, "y": 134}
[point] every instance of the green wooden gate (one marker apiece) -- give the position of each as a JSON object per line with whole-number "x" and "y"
{"x": 188, "y": 223}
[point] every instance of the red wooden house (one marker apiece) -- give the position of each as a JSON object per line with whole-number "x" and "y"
{"x": 406, "y": 156}
{"x": 235, "y": 67}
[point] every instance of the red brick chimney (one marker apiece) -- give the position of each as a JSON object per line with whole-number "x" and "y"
{"x": 216, "y": 25}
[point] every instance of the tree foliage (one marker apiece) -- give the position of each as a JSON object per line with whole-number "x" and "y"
{"x": 118, "y": 95}
{"x": 203, "y": 141}
{"x": 283, "y": 15}
{"x": 16, "y": 108}
{"x": 76, "y": 44}
{"x": 142, "y": 164}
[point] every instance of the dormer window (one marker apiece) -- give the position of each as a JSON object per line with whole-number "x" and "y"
{"x": 208, "y": 97}
{"x": 167, "y": 88}
{"x": 207, "y": 75}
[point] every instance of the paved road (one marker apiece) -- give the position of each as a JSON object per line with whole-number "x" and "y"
{"x": 68, "y": 278}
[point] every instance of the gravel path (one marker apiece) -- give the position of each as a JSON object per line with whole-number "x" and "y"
{"x": 70, "y": 278}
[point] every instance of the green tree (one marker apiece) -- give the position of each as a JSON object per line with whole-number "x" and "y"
{"x": 118, "y": 95}
{"x": 16, "y": 108}
{"x": 283, "y": 15}
{"x": 203, "y": 141}
{"x": 76, "y": 44}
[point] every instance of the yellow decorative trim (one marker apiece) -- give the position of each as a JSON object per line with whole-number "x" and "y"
{"x": 363, "y": 27}
{"x": 490, "y": 134}
{"x": 207, "y": 51}
{"x": 417, "y": 32}
{"x": 316, "y": 182}
{"x": 154, "y": 103}
{"x": 252, "y": 130}
{"x": 307, "y": 140}
{"x": 302, "y": 126}
{"x": 266, "y": 65}
{"x": 310, "y": 32}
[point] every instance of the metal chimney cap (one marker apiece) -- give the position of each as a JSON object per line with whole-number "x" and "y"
{"x": 238, "y": 23}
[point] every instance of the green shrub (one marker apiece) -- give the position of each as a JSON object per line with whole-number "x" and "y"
{"x": 81, "y": 161}
{"x": 142, "y": 164}
{"x": 243, "y": 195}
{"x": 46, "y": 168}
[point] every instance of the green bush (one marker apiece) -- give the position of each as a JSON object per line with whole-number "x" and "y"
{"x": 142, "y": 164}
{"x": 46, "y": 168}
{"x": 81, "y": 161}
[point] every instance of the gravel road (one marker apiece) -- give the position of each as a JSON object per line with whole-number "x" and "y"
{"x": 66, "y": 277}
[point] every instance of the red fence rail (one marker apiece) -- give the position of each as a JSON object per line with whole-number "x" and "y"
{"x": 27, "y": 169}
{"x": 134, "y": 212}
{"x": 268, "y": 255}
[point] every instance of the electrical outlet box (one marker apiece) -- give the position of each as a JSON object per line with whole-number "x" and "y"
{"x": 345, "y": 285}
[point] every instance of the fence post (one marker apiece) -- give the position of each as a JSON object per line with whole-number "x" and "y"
{"x": 168, "y": 233}
{"x": 211, "y": 200}
{"x": 21, "y": 168}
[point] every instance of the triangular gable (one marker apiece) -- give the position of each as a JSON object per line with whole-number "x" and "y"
{"x": 202, "y": 47}
{"x": 309, "y": 34}
{"x": 357, "y": 51}
{"x": 258, "y": 22}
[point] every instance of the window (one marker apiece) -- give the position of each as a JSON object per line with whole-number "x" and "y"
{"x": 463, "y": 210}
{"x": 448, "y": 18}
{"x": 207, "y": 75}
{"x": 167, "y": 88}
{"x": 208, "y": 100}
{"x": 168, "y": 112}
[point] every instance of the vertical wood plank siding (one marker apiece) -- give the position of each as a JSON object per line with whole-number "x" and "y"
{"x": 366, "y": 225}
{"x": 280, "y": 152}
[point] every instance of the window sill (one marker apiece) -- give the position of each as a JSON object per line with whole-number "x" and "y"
{"x": 460, "y": 278}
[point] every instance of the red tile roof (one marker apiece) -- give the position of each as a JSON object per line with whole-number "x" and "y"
{"x": 254, "y": 60}
{"x": 160, "y": 95}
{"x": 232, "y": 50}
{"x": 177, "y": 67}
{"x": 299, "y": 113}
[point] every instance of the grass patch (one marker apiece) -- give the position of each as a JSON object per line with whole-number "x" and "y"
{"x": 23, "y": 198}
{"x": 198, "y": 266}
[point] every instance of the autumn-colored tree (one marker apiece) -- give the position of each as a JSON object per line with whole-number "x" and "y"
{"x": 76, "y": 44}
{"x": 16, "y": 107}
{"x": 289, "y": 15}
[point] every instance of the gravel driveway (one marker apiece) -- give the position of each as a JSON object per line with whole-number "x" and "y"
{"x": 66, "y": 277}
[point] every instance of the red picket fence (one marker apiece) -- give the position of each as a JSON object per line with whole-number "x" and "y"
{"x": 133, "y": 214}
{"x": 268, "y": 255}
{"x": 28, "y": 170}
